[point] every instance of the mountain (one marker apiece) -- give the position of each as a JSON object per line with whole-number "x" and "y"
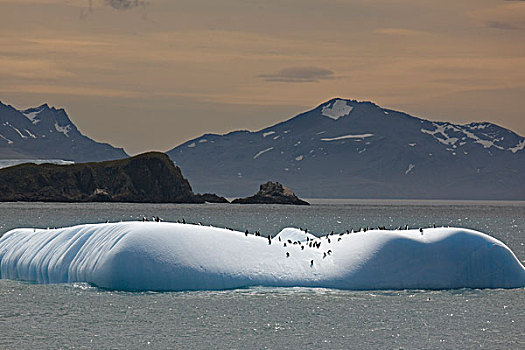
{"x": 47, "y": 133}
{"x": 149, "y": 177}
{"x": 350, "y": 149}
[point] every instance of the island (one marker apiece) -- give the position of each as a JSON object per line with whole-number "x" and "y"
{"x": 146, "y": 178}
{"x": 272, "y": 193}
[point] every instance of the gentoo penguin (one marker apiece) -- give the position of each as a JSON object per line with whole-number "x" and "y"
{"x": 287, "y": 254}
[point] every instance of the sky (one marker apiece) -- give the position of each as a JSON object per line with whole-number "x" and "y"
{"x": 152, "y": 74}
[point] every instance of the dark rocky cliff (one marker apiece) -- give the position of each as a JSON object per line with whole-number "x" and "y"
{"x": 149, "y": 177}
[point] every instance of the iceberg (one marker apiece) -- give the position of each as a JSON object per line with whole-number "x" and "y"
{"x": 161, "y": 256}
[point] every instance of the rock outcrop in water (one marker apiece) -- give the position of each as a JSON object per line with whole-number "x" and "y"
{"x": 272, "y": 193}
{"x": 150, "y": 177}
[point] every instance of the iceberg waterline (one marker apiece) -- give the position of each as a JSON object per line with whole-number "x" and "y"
{"x": 138, "y": 256}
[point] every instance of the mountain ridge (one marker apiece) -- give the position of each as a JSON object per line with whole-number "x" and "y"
{"x": 352, "y": 149}
{"x": 46, "y": 132}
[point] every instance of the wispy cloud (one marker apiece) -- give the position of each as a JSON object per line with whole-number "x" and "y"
{"x": 509, "y": 16}
{"x": 126, "y": 4}
{"x": 399, "y": 31}
{"x": 299, "y": 75}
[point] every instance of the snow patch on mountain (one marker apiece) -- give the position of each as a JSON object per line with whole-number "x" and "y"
{"x": 360, "y": 136}
{"x": 30, "y": 134}
{"x": 63, "y": 129}
{"x": 441, "y": 130}
{"x": 262, "y": 152}
{"x": 518, "y": 147}
{"x": 32, "y": 115}
{"x": 484, "y": 143}
{"x": 336, "y": 109}
{"x": 6, "y": 139}
{"x": 18, "y": 132}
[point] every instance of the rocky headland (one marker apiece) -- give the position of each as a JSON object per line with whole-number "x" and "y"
{"x": 146, "y": 178}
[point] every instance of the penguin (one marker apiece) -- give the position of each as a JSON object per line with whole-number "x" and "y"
{"x": 246, "y": 233}
{"x": 279, "y": 238}
{"x": 305, "y": 230}
{"x": 269, "y": 239}
{"x": 311, "y": 263}
{"x": 421, "y": 230}
{"x": 328, "y": 240}
{"x": 329, "y": 251}
{"x": 183, "y": 221}
{"x": 406, "y": 227}
{"x": 434, "y": 225}
{"x": 284, "y": 245}
{"x": 302, "y": 247}
{"x": 287, "y": 254}
{"x": 338, "y": 239}
{"x": 324, "y": 255}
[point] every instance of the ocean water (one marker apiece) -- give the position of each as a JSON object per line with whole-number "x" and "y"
{"x": 82, "y": 316}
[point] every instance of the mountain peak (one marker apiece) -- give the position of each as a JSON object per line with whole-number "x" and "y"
{"x": 349, "y": 148}
{"x": 46, "y": 132}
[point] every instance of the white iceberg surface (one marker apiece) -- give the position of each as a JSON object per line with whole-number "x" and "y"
{"x": 138, "y": 256}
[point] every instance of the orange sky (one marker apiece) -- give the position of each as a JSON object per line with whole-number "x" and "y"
{"x": 149, "y": 75}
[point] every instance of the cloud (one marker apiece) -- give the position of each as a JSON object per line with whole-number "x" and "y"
{"x": 501, "y": 25}
{"x": 508, "y": 16}
{"x": 399, "y": 31}
{"x": 125, "y": 4}
{"x": 299, "y": 75}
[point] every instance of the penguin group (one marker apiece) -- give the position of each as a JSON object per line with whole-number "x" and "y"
{"x": 153, "y": 218}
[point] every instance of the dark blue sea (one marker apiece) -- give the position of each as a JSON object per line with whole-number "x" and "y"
{"x": 81, "y": 316}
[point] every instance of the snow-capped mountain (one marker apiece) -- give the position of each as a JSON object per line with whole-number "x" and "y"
{"x": 345, "y": 148}
{"x": 47, "y": 133}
